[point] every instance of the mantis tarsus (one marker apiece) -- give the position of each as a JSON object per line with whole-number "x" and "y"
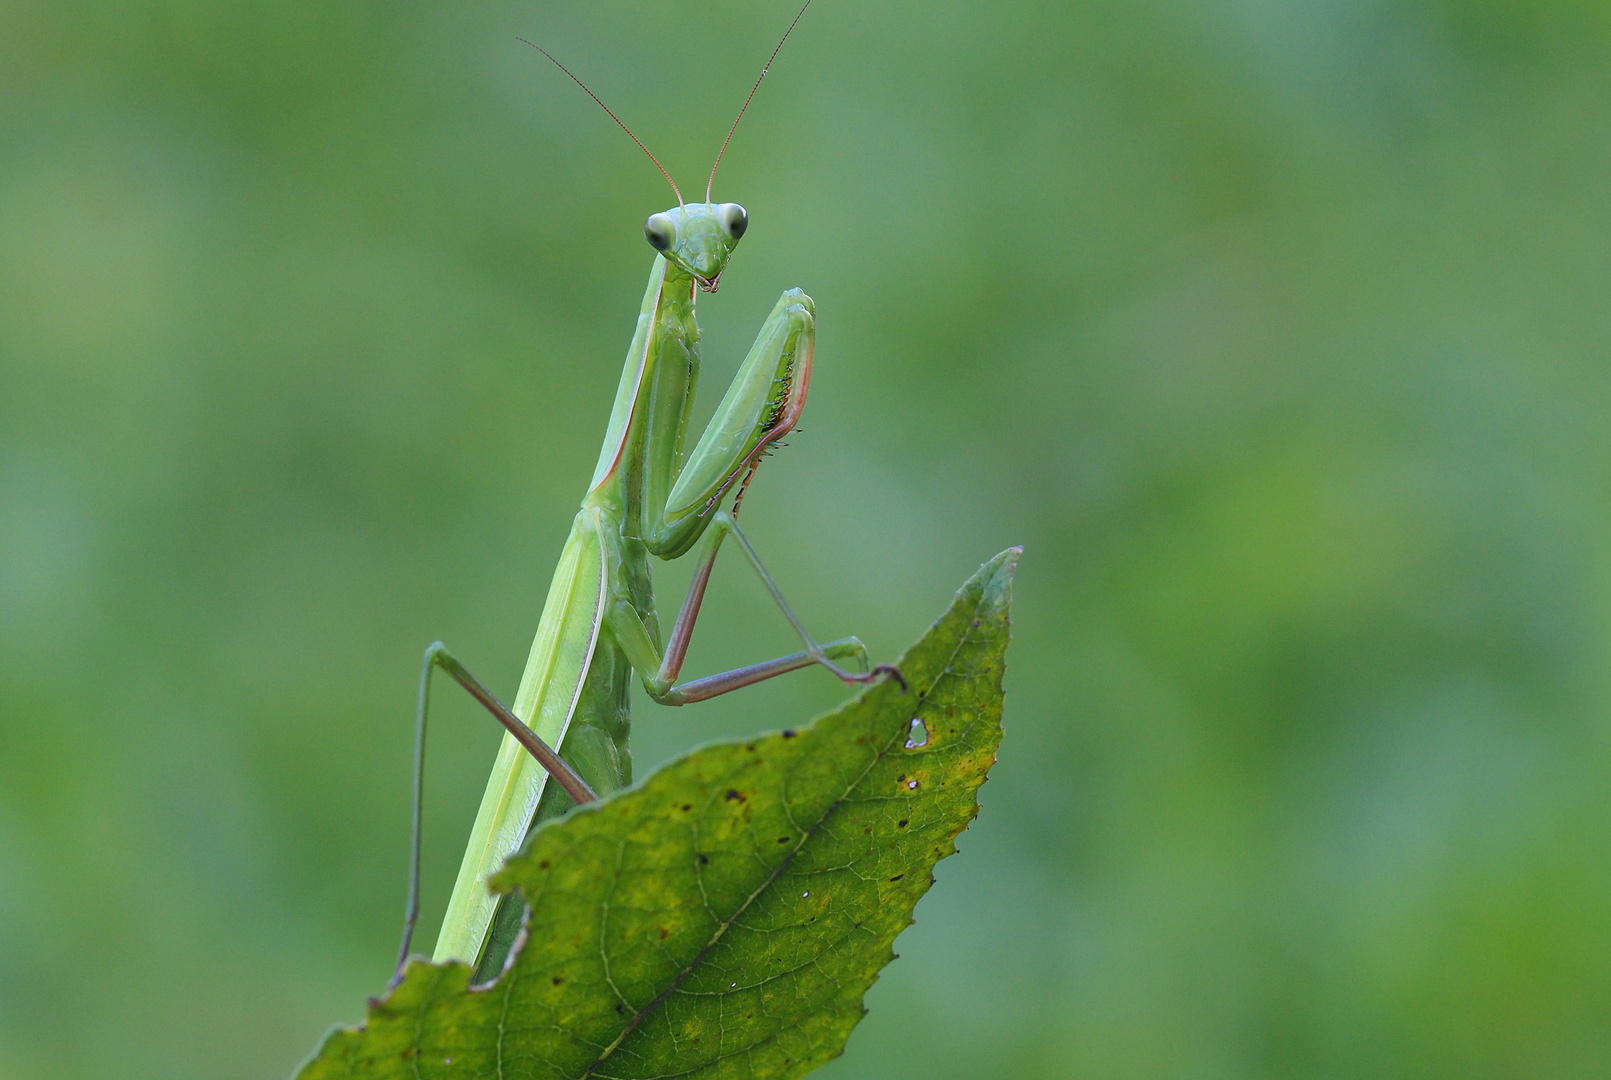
{"x": 599, "y": 623}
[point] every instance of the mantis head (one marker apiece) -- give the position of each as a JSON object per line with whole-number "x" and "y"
{"x": 698, "y": 238}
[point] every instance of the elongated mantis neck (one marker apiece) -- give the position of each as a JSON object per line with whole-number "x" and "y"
{"x": 653, "y": 402}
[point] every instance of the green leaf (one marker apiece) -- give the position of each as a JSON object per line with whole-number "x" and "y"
{"x": 725, "y": 917}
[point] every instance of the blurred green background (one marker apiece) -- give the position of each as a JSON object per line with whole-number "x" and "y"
{"x": 1276, "y": 331}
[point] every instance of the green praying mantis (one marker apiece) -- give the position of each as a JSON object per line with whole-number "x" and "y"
{"x": 599, "y": 624}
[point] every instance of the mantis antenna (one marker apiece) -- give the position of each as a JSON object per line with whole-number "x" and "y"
{"x": 709, "y": 183}
{"x": 628, "y": 130}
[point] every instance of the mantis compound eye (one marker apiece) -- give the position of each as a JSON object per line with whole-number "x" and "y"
{"x": 734, "y": 220}
{"x": 659, "y": 231}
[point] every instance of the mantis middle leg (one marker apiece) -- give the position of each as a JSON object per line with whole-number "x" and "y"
{"x": 659, "y": 671}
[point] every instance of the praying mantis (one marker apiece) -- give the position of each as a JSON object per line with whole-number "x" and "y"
{"x": 599, "y": 624}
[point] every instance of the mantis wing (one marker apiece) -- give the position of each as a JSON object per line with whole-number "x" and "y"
{"x": 560, "y": 656}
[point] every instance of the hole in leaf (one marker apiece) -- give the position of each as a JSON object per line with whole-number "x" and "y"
{"x": 918, "y": 734}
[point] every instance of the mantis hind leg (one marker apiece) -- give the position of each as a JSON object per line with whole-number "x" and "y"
{"x": 438, "y": 656}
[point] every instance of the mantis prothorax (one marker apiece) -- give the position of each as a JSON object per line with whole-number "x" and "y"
{"x": 599, "y": 625}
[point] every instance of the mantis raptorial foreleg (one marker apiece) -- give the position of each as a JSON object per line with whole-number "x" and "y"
{"x": 647, "y": 498}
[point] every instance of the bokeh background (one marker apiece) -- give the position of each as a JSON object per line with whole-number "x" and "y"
{"x": 1276, "y": 330}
